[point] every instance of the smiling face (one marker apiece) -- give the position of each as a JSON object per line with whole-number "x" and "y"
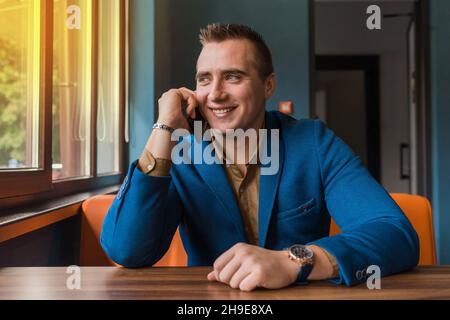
{"x": 230, "y": 90}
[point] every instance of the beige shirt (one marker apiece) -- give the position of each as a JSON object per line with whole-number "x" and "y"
{"x": 246, "y": 190}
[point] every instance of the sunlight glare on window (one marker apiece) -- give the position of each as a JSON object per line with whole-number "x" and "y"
{"x": 108, "y": 87}
{"x": 19, "y": 84}
{"x": 72, "y": 64}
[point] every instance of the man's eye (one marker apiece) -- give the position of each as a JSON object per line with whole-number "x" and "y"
{"x": 202, "y": 80}
{"x": 233, "y": 77}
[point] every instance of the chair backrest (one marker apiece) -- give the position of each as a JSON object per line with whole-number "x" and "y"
{"x": 91, "y": 253}
{"x": 418, "y": 210}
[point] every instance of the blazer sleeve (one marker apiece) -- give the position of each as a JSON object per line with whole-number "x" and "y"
{"x": 141, "y": 222}
{"x": 374, "y": 229}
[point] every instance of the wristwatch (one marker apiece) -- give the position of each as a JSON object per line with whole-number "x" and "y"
{"x": 305, "y": 258}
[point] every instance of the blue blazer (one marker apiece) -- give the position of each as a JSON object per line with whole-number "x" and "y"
{"x": 319, "y": 176}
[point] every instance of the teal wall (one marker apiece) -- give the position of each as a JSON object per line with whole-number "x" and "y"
{"x": 141, "y": 74}
{"x": 440, "y": 95}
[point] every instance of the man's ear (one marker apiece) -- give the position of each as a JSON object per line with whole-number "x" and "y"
{"x": 269, "y": 86}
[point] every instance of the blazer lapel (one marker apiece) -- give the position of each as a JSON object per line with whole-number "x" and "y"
{"x": 268, "y": 184}
{"x": 215, "y": 177}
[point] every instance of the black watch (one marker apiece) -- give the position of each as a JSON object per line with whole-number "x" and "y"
{"x": 305, "y": 258}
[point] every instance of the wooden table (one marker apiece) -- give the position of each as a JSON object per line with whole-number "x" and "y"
{"x": 107, "y": 283}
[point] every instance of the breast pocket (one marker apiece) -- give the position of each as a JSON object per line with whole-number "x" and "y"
{"x": 298, "y": 225}
{"x": 303, "y": 209}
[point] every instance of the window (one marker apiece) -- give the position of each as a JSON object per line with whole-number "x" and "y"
{"x": 72, "y": 72}
{"x": 108, "y": 87}
{"x": 19, "y": 84}
{"x": 62, "y": 94}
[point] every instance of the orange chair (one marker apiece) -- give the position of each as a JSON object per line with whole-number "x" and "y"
{"x": 416, "y": 208}
{"x": 418, "y": 211}
{"x": 91, "y": 253}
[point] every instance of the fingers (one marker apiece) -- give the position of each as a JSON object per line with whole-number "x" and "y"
{"x": 192, "y": 103}
{"x": 212, "y": 276}
{"x": 224, "y": 258}
{"x": 221, "y": 262}
{"x": 238, "y": 276}
{"x": 187, "y": 90}
{"x": 228, "y": 270}
{"x": 247, "y": 267}
{"x": 250, "y": 282}
{"x": 243, "y": 278}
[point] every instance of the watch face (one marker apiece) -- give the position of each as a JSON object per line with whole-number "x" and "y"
{"x": 301, "y": 252}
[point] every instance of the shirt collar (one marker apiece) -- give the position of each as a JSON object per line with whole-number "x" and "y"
{"x": 220, "y": 149}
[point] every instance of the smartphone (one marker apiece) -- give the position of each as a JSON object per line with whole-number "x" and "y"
{"x": 198, "y": 117}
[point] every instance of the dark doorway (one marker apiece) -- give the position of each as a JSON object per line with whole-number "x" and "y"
{"x": 348, "y": 101}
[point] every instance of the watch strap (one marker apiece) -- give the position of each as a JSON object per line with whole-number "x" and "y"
{"x": 303, "y": 274}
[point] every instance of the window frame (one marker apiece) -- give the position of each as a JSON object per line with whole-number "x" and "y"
{"x": 22, "y": 187}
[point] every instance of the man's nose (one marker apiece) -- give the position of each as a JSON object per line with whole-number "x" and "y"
{"x": 217, "y": 92}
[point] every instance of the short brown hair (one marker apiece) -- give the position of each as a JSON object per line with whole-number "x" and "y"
{"x": 217, "y": 32}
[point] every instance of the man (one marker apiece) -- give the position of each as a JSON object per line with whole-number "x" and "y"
{"x": 257, "y": 230}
